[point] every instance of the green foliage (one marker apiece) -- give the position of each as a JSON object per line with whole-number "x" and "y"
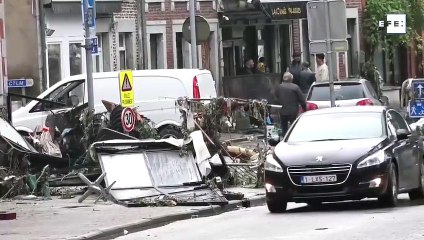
{"x": 376, "y": 10}
{"x": 146, "y": 131}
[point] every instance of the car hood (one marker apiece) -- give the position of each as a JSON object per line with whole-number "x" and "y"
{"x": 332, "y": 152}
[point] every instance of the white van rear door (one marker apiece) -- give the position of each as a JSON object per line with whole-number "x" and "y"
{"x": 206, "y": 85}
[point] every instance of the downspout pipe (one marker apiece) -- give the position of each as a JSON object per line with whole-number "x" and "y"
{"x": 42, "y": 48}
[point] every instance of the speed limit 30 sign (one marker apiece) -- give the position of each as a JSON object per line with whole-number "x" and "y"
{"x": 128, "y": 119}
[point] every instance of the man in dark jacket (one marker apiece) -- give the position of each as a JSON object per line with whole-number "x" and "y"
{"x": 306, "y": 78}
{"x": 290, "y": 97}
{"x": 295, "y": 68}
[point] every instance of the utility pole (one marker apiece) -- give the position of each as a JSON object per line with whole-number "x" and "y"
{"x": 329, "y": 55}
{"x": 89, "y": 19}
{"x": 193, "y": 34}
{"x": 144, "y": 34}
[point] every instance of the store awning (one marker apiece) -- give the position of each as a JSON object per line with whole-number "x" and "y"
{"x": 103, "y": 7}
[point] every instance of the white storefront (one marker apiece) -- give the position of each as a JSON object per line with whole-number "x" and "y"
{"x": 65, "y": 40}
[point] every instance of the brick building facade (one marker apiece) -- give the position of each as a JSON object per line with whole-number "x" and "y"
{"x": 348, "y": 63}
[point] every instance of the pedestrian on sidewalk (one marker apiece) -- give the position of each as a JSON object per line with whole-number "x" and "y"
{"x": 290, "y": 96}
{"x": 295, "y": 67}
{"x": 307, "y": 77}
{"x": 322, "y": 69}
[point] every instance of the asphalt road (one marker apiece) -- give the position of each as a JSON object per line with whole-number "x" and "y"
{"x": 348, "y": 221}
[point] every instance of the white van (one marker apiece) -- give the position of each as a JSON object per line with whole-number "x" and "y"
{"x": 164, "y": 85}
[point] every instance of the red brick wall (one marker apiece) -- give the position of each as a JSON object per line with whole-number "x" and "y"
{"x": 180, "y": 12}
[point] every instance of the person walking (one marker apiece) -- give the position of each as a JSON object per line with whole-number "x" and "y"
{"x": 290, "y": 96}
{"x": 322, "y": 69}
{"x": 307, "y": 77}
{"x": 295, "y": 67}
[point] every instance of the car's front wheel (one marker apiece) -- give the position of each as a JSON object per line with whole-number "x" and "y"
{"x": 419, "y": 192}
{"x": 275, "y": 206}
{"x": 390, "y": 197}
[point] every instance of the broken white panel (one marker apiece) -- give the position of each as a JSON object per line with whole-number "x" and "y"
{"x": 170, "y": 168}
{"x": 8, "y": 132}
{"x": 129, "y": 170}
{"x": 202, "y": 152}
{"x": 216, "y": 160}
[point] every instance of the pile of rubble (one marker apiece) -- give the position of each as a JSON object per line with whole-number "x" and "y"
{"x": 81, "y": 153}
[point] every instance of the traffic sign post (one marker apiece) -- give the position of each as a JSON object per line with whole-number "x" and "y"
{"x": 416, "y": 105}
{"x": 89, "y": 20}
{"x": 94, "y": 46}
{"x": 128, "y": 120}
{"x": 416, "y": 108}
{"x": 327, "y": 26}
{"x": 126, "y": 88}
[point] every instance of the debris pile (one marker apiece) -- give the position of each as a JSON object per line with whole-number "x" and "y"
{"x": 79, "y": 152}
{"x": 239, "y": 165}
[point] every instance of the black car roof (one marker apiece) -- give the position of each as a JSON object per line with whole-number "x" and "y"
{"x": 348, "y": 81}
{"x": 353, "y": 109}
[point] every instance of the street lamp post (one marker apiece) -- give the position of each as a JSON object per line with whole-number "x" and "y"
{"x": 329, "y": 54}
{"x": 89, "y": 17}
{"x": 193, "y": 34}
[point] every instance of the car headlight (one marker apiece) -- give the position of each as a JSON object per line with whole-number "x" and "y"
{"x": 375, "y": 159}
{"x": 271, "y": 164}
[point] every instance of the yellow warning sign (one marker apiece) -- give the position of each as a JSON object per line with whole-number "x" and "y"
{"x": 126, "y": 88}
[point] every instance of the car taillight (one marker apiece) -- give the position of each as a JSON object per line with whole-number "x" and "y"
{"x": 365, "y": 102}
{"x": 311, "y": 106}
{"x": 196, "y": 90}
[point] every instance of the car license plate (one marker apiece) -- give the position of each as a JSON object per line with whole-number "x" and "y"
{"x": 319, "y": 179}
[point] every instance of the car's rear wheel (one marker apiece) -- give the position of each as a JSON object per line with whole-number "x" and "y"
{"x": 170, "y": 131}
{"x": 275, "y": 206}
{"x": 390, "y": 197}
{"x": 419, "y": 192}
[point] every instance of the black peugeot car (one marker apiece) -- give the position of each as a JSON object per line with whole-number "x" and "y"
{"x": 346, "y": 153}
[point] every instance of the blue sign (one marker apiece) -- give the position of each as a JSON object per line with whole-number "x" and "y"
{"x": 90, "y": 14}
{"x": 416, "y": 109}
{"x": 91, "y": 3}
{"x": 418, "y": 88}
{"x": 94, "y": 46}
{"x": 20, "y": 83}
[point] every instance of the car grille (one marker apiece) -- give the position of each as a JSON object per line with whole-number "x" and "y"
{"x": 342, "y": 172}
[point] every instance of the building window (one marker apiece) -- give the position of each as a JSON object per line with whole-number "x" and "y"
{"x": 179, "y": 43}
{"x": 54, "y": 62}
{"x": 182, "y": 51}
{"x": 75, "y": 59}
{"x": 156, "y": 51}
{"x": 125, "y": 51}
{"x": 98, "y": 62}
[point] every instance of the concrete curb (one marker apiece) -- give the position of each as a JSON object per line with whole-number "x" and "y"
{"x": 117, "y": 231}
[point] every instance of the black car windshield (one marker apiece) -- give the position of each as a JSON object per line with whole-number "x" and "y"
{"x": 345, "y": 91}
{"x": 337, "y": 126}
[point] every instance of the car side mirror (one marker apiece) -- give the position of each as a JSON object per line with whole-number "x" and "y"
{"x": 402, "y": 134}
